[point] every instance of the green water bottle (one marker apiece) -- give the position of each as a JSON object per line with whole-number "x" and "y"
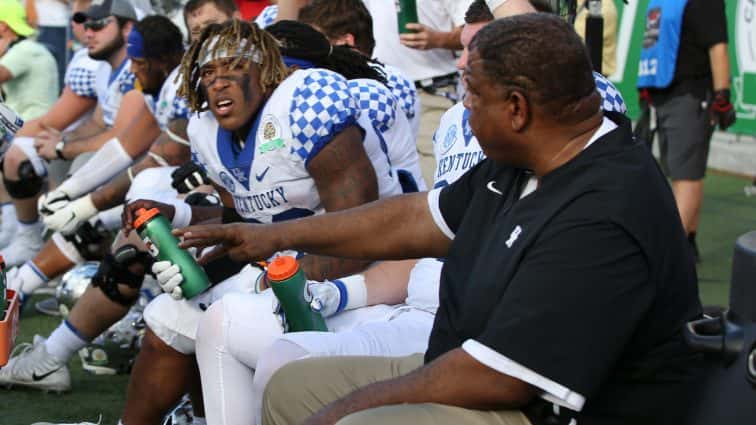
{"x": 406, "y": 13}
{"x": 290, "y": 287}
{"x": 3, "y": 284}
{"x": 155, "y": 231}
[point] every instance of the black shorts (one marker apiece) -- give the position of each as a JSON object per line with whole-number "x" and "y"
{"x": 684, "y": 131}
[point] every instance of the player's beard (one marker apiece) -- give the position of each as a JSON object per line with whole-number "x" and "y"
{"x": 107, "y": 51}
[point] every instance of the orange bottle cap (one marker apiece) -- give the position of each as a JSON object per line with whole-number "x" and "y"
{"x": 144, "y": 216}
{"x": 282, "y": 268}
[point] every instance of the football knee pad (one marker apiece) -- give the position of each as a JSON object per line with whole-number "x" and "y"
{"x": 116, "y": 269}
{"x": 29, "y": 183}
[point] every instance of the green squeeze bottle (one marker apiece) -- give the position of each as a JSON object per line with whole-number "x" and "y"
{"x": 155, "y": 231}
{"x": 3, "y": 284}
{"x": 406, "y": 13}
{"x": 290, "y": 287}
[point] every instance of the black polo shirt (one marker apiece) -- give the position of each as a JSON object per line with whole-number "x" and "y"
{"x": 580, "y": 288}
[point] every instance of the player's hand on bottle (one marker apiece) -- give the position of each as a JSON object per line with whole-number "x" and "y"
{"x": 326, "y": 297}
{"x": 169, "y": 278}
{"x": 67, "y": 219}
{"x": 51, "y": 202}
{"x": 422, "y": 37}
{"x": 722, "y": 112}
{"x": 130, "y": 212}
{"x": 188, "y": 177}
{"x": 243, "y": 242}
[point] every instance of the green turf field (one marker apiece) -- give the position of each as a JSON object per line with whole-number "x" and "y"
{"x": 727, "y": 213}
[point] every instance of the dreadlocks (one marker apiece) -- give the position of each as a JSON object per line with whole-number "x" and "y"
{"x": 243, "y": 38}
{"x": 302, "y": 41}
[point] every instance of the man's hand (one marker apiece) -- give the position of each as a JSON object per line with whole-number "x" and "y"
{"x": 52, "y": 201}
{"x": 326, "y": 297}
{"x": 243, "y": 242}
{"x": 130, "y": 212}
{"x": 45, "y": 143}
{"x": 67, "y": 219}
{"x": 169, "y": 278}
{"x": 722, "y": 112}
{"x": 423, "y": 37}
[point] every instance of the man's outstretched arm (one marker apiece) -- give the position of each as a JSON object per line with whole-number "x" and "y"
{"x": 392, "y": 229}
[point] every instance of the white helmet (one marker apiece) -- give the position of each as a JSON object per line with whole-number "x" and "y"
{"x": 73, "y": 284}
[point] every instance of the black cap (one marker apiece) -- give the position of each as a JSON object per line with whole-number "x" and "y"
{"x": 104, "y": 8}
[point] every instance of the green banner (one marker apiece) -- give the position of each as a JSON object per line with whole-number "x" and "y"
{"x": 741, "y": 23}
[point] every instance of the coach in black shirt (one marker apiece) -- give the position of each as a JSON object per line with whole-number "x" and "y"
{"x": 566, "y": 281}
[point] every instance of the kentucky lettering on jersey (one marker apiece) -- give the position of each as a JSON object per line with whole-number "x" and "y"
{"x": 454, "y": 146}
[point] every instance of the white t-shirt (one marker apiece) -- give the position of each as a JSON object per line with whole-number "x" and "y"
{"x": 52, "y": 13}
{"x": 442, "y": 15}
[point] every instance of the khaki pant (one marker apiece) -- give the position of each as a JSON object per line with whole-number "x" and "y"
{"x": 302, "y": 388}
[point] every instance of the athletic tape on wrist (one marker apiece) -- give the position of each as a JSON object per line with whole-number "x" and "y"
{"x": 356, "y": 290}
{"x": 343, "y": 294}
{"x": 182, "y": 215}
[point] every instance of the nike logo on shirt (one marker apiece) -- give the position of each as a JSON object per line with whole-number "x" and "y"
{"x": 493, "y": 189}
{"x": 261, "y": 176}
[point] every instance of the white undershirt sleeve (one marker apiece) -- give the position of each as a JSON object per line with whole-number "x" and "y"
{"x": 435, "y": 210}
{"x": 553, "y": 392}
{"x": 105, "y": 164}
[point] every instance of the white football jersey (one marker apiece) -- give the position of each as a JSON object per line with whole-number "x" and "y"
{"x": 405, "y": 92}
{"x": 388, "y": 139}
{"x": 110, "y": 90}
{"x": 81, "y": 78}
{"x": 168, "y": 106}
{"x": 377, "y": 118}
{"x": 268, "y": 176}
{"x": 454, "y": 146}
{"x": 267, "y": 17}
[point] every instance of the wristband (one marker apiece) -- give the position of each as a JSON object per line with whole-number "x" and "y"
{"x": 182, "y": 215}
{"x": 353, "y": 292}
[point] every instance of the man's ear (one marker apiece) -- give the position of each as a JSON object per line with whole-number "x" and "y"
{"x": 518, "y": 109}
{"x": 344, "y": 40}
{"x": 127, "y": 29}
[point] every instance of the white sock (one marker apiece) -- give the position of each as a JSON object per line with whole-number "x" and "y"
{"x": 8, "y": 214}
{"x": 64, "y": 341}
{"x": 30, "y": 226}
{"x": 31, "y": 278}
